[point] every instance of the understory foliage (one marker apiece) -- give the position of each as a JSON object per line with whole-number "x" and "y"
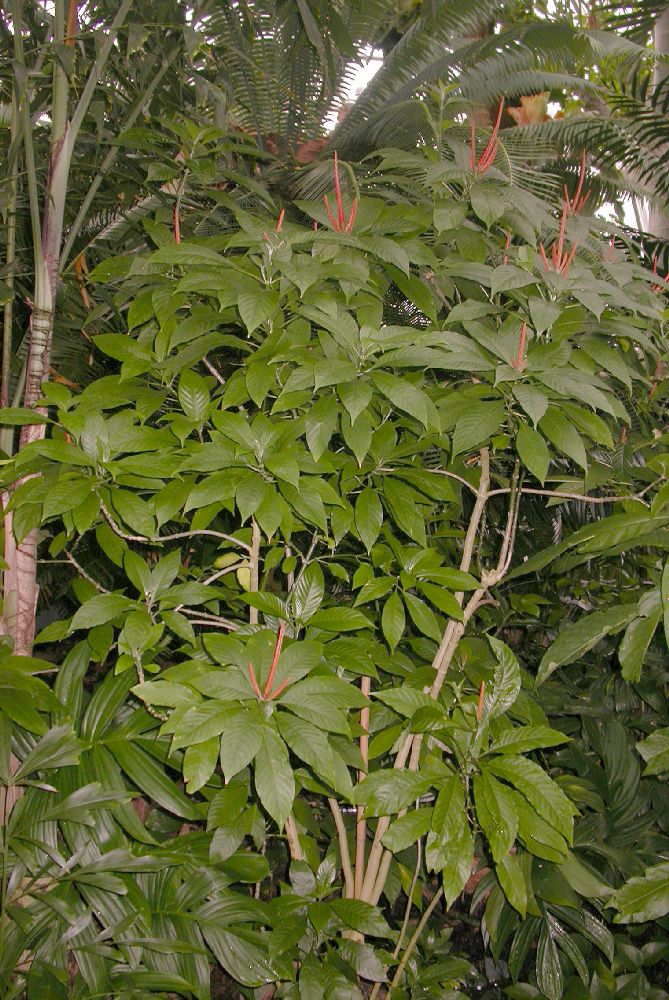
{"x": 363, "y": 688}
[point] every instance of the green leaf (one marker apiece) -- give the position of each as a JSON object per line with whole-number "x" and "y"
{"x": 489, "y": 205}
{"x": 100, "y": 609}
{"x": 655, "y": 751}
{"x": 478, "y": 423}
{"x": 520, "y": 739}
{"x": 509, "y": 871}
{"x": 539, "y": 789}
{"x": 340, "y": 620}
{"x": 393, "y": 621}
{"x": 450, "y": 847}
{"x": 240, "y": 742}
{"x": 404, "y": 700}
{"x": 274, "y": 779}
{"x": 442, "y": 599}
{"x": 243, "y": 955}
{"x": 363, "y": 959}
{"x": 311, "y": 746}
{"x": 308, "y": 591}
{"x": 404, "y": 396}
{"x": 423, "y": 617}
{"x": 449, "y": 215}
{"x": 406, "y": 830}
{"x": 148, "y": 775}
{"x": 496, "y": 814}
{"x": 582, "y": 879}
{"x": 533, "y": 452}
{"x": 57, "y": 748}
{"x": 193, "y": 395}
{"x": 578, "y": 638}
{"x": 257, "y": 306}
{"x": 21, "y": 416}
{"x": 533, "y": 401}
{"x": 501, "y": 694}
{"x": 199, "y": 764}
{"x": 361, "y": 916}
{"x": 549, "y": 970}
{"x": 368, "y": 516}
{"x": 356, "y": 397}
{"x": 386, "y": 792}
{"x": 645, "y": 897}
{"x": 321, "y": 423}
{"x": 507, "y": 277}
{"x": 543, "y": 313}
{"x": 634, "y": 646}
{"x": 564, "y": 436}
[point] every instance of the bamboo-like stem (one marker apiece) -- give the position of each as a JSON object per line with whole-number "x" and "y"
{"x": 294, "y": 846}
{"x": 254, "y": 573}
{"x": 360, "y": 824}
{"x": 344, "y": 852}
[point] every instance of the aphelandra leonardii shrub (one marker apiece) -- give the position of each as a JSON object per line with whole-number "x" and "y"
{"x": 340, "y": 656}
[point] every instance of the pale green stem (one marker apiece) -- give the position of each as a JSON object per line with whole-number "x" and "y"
{"x": 110, "y": 158}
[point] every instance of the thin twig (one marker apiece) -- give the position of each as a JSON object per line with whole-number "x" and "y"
{"x": 82, "y": 573}
{"x": 563, "y": 495}
{"x": 161, "y": 539}
{"x": 222, "y": 572}
{"x": 214, "y": 371}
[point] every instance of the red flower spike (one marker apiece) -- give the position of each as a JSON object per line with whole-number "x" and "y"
{"x": 521, "y": 361}
{"x": 560, "y": 243}
{"x": 507, "y": 242}
{"x": 352, "y": 216}
{"x": 341, "y": 218}
{"x": 479, "y": 709}
{"x": 275, "y": 659}
{"x": 254, "y": 682}
{"x": 340, "y": 224}
{"x": 489, "y": 153}
{"x": 544, "y": 257}
{"x": 280, "y": 689}
{"x": 279, "y": 221}
{"x": 566, "y": 263}
{"x": 177, "y": 227}
{"x": 332, "y": 219}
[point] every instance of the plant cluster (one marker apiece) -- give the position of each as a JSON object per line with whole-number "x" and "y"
{"x": 357, "y": 521}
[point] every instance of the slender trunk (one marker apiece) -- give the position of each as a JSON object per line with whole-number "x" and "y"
{"x": 658, "y": 218}
{"x": 20, "y": 577}
{"x": 6, "y": 433}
